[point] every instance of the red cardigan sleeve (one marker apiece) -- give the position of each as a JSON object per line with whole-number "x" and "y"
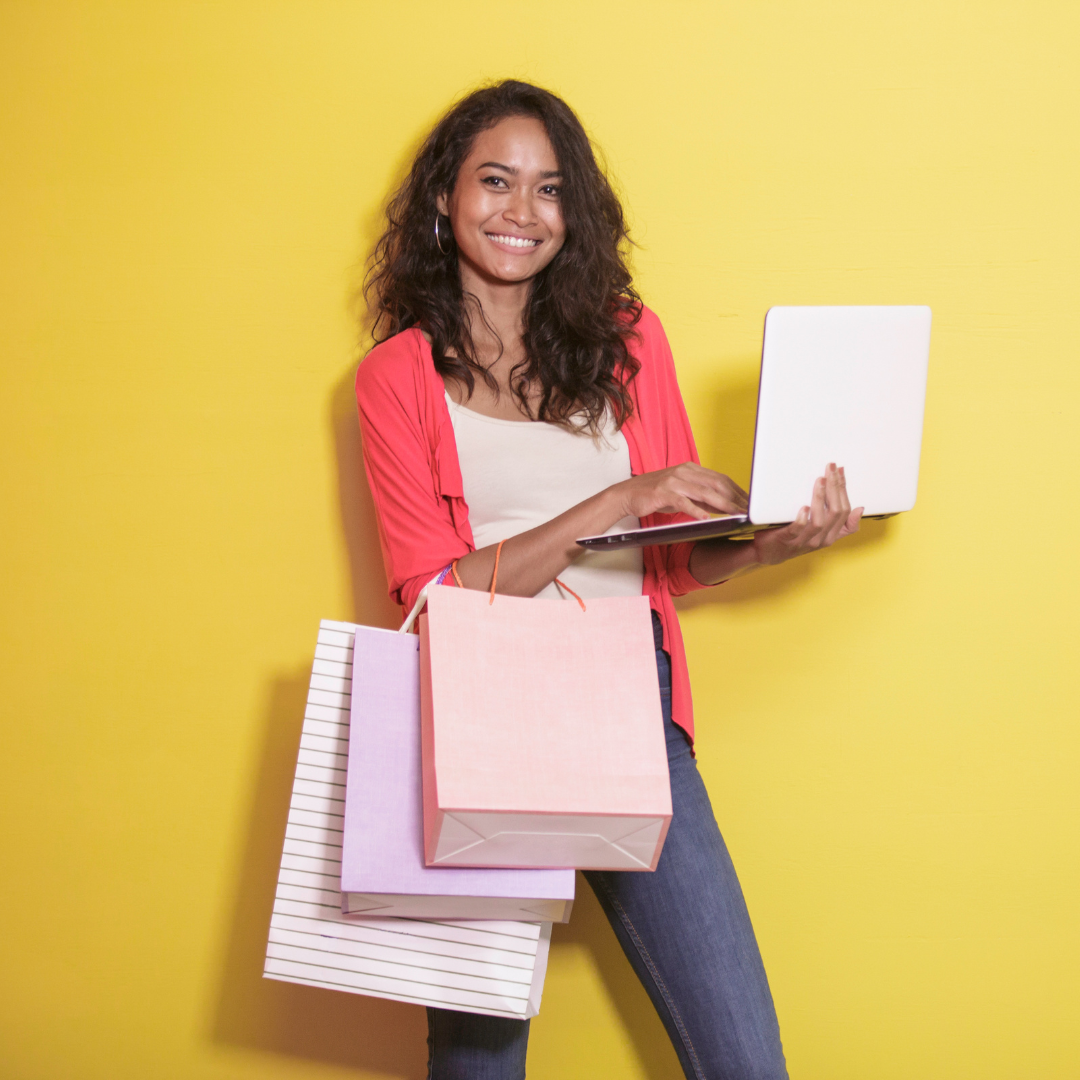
{"x": 663, "y": 415}
{"x": 413, "y": 497}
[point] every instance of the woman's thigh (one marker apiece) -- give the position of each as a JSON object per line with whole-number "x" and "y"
{"x": 687, "y": 933}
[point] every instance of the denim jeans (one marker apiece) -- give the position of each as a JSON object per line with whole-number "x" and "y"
{"x": 687, "y": 934}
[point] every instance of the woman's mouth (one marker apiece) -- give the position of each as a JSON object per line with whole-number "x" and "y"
{"x": 512, "y": 241}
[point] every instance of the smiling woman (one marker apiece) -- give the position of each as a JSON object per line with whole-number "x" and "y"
{"x": 508, "y": 335}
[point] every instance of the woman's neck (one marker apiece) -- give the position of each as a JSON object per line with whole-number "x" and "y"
{"x": 495, "y": 327}
{"x": 501, "y": 309}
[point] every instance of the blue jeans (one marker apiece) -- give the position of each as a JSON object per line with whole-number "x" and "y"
{"x": 687, "y": 934}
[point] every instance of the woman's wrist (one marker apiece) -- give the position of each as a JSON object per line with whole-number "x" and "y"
{"x": 616, "y": 501}
{"x": 714, "y": 561}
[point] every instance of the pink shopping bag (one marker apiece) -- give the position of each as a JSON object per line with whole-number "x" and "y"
{"x": 543, "y": 740}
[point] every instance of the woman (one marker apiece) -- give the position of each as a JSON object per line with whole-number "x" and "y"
{"x": 521, "y": 393}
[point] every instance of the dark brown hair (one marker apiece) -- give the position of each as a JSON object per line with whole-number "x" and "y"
{"x": 582, "y": 308}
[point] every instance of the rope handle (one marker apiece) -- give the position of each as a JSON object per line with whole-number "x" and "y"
{"x": 563, "y": 585}
{"x": 495, "y": 573}
{"x": 495, "y": 578}
{"x": 440, "y": 577}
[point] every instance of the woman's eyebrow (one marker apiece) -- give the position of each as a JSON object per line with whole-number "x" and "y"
{"x": 513, "y": 172}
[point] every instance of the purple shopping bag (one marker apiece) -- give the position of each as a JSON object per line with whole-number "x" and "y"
{"x": 382, "y": 870}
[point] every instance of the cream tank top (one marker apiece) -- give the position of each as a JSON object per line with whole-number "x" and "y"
{"x": 517, "y": 475}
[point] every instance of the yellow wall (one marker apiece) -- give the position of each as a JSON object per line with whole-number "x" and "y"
{"x": 889, "y": 731}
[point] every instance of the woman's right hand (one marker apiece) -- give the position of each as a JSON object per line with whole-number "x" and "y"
{"x": 683, "y": 489}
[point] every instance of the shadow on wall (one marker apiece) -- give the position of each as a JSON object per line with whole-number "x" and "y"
{"x": 263, "y": 1015}
{"x": 345, "y": 1030}
{"x": 726, "y": 443}
{"x": 337, "y": 1028}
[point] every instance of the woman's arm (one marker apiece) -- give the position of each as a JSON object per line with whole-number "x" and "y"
{"x": 417, "y": 532}
{"x": 532, "y": 560}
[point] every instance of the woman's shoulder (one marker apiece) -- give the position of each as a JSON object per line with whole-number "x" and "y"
{"x": 393, "y": 364}
{"x": 649, "y": 345}
{"x": 648, "y": 323}
{"x": 647, "y": 339}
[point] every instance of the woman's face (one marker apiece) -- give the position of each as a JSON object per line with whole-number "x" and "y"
{"x": 505, "y": 209}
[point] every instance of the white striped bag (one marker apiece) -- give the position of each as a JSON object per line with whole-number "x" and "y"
{"x": 496, "y": 968}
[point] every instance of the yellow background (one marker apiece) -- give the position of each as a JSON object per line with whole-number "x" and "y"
{"x": 889, "y": 730}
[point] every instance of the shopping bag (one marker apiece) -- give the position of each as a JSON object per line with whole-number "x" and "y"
{"x": 382, "y": 868}
{"x": 491, "y": 967}
{"x": 543, "y": 740}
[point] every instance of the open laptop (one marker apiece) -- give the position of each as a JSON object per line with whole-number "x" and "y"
{"x": 842, "y": 384}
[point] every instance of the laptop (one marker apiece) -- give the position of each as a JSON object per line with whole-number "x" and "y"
{"x": 842, "y": 384}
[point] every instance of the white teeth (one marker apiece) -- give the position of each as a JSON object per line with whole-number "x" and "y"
{"x": 512, "y": 241}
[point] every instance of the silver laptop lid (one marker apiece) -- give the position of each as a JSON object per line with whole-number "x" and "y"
{"x": 843, "y": 384}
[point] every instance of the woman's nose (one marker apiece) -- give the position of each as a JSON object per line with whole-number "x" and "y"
{"x": 520, "y": 210}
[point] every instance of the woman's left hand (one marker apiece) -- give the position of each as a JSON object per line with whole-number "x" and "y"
{"x": 828, "y": 517}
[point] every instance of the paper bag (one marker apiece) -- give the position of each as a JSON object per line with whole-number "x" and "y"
{"x": 492, "y": 967}
{"x": 382, "y": 869}
{"x": 543, "y": 740}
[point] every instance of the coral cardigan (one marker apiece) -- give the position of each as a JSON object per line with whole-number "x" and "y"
{"x": 412, "y": 466}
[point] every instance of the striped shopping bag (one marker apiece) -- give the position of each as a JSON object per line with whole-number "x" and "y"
{"x": 492, "y": 967}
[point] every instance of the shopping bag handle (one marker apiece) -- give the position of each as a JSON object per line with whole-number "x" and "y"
{"x": 495, "y": 577}
{"x": 440, "y": 577}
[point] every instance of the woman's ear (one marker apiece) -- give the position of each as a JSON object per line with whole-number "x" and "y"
{"x": 442, "y": 204}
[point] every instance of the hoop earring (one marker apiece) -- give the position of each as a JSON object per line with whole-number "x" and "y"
{"x": 438, "y": 241}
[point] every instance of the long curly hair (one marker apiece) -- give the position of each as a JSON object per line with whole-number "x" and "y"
{"x": 582, "y": 309}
